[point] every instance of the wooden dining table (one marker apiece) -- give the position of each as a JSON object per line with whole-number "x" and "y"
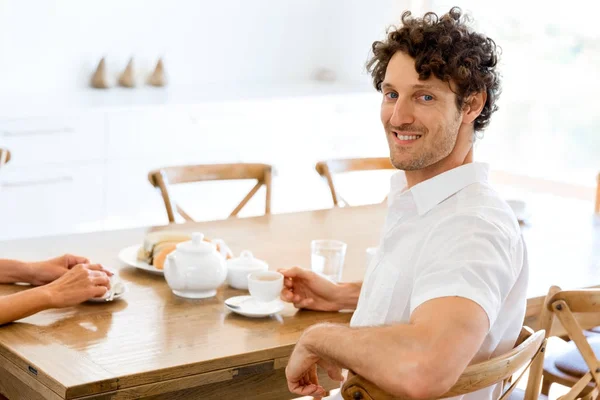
{"x": 152, "y": 344}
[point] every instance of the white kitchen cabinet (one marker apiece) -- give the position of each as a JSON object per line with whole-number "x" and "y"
{"x": 87, "y": 169}
{"x": 55, "y": 140}
{"x": 130, "y": 198}
{"x": 51, "y": 200}
{"x": 172, "y": 136}
{"x": 155, "y": 132}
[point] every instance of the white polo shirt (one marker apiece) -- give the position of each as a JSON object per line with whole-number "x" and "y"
{"x": 451, "y": 235}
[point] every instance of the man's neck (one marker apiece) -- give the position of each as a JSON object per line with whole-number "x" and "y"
{"x": 421, "y": 175}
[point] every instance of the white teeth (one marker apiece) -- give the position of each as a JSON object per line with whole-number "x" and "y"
{"x": 404, "y": 137}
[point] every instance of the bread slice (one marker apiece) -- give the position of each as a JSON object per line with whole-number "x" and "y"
{"x": 157, "y": 245}
{"x": 160, "y": 255}
{"x": 153, "y": 239}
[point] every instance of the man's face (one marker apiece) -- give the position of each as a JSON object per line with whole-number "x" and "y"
{"x": 420, "y": 118}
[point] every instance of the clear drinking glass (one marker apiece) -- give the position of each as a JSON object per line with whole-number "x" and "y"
{"x": 327, "y": 258}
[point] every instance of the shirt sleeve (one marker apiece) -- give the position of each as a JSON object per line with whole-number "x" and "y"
{"x": 470, "y": 257}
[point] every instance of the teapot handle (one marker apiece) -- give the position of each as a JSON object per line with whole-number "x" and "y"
{"x": 223, "y": 248}
{"x": 170, "y": 261}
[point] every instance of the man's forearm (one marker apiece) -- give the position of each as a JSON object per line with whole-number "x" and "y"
{"x": 23, "y": 304}
{"x": 389, "y": 356}
{"x": 348, "y": 295}
{"x": 12, "y": 271}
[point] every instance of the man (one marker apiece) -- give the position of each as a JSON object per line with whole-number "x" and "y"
{"x": 60, "y": 282}
{"x": 448, "y": 285}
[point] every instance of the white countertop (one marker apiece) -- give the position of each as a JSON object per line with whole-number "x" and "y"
{"x": 21, "y": 105}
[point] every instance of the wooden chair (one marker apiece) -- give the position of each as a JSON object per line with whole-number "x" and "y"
{"x": 560, "y": 304}
{"x": 164, "y": 177}
{"x": 572, "y": 364}
{"x": 4, "y": 156}
{"x": 329, "y": 167}
{"x": 476, "y": 377}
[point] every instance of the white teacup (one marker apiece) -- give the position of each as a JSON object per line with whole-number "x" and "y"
{"x": 265, "y": 286}
{"x": 117, "y": 287}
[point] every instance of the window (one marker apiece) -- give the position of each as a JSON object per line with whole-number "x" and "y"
{"x": 548, "y": 122}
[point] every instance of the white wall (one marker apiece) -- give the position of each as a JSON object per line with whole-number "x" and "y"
{"x": 48, "y": 45}
{"x": 354, "y": 26}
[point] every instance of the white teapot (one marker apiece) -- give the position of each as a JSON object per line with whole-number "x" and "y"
{"x": 196, "y": 269}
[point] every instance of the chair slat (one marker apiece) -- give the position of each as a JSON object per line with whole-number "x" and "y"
{"x": 164, "y": 178}
{"x": 327, "y": 168}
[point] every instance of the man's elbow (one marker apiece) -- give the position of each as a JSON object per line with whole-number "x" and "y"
{"x": 423, "y": 382}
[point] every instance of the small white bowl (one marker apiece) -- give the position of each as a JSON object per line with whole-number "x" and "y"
{"x": 239, "y": 268}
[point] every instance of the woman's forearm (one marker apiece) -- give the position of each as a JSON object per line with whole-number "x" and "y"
{"x": 12, "y": 271}
{"x": 23, "y": 304}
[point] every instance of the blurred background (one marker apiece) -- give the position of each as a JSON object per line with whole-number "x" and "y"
{"x": 277, "y": 82}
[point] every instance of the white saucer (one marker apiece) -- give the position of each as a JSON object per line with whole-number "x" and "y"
{"x": 128, "y": 255}
{"x": 116, "y": 296}
{"x": 249, "y": 307}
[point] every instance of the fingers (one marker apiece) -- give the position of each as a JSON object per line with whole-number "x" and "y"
{"x": 99, "y": 278}
{"x": 305, "y": 388}
{"x": 94, "y": 267}
{"x": 304, "y": 303}
{"x": 312, "y": 375}
{"x": 98, "y": 291}
{"x": 295, "y": 272}
{"x": 107, "y": 271}
{"x": 298, "y": 301}
{"x": 74, "y": 260}
{"x": 287, "y": 295}
{"x": 99, "y": 267}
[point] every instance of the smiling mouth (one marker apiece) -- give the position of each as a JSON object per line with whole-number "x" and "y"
{"x": 406, "y": 138}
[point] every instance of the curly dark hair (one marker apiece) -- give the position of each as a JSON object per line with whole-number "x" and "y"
{"x": 447, "y": 48}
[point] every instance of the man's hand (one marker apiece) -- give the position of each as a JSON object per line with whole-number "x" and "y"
{"x": 307, "y": 289}
{"x": 301, "y": 371}
{"x": 80, "y": 283}
{"x": 43, "y": 272}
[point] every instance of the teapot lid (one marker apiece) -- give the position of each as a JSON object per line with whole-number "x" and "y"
{"x": 196, "y": 245}
{"x": 246, "y": 261}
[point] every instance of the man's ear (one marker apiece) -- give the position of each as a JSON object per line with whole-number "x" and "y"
{"x": 473, "y": 106}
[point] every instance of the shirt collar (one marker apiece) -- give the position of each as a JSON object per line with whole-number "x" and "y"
{"x": 428, "y": 194}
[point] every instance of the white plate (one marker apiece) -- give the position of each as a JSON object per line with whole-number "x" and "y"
{"x": 129, "y": 256}
{"x": 116, "y": 296}
{"x": 252, "y": 308}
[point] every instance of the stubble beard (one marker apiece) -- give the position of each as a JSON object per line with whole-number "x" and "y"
{"x": 409, "y": 159}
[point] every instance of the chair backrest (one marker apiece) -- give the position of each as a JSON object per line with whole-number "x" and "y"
{"x": 557, "y": 318}
{"x": 4, "y": 156}
{"x": 474, "y": 378}
{"x": 327, "y": 168}
{"x": 164, "y": 177}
